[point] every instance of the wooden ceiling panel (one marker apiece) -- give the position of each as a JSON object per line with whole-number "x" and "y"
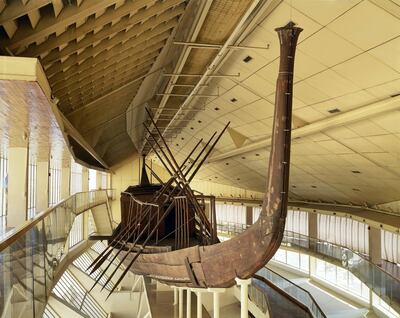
{"x": 95, "y": 55}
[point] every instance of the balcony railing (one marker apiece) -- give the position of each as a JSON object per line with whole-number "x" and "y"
{"x": 30, "y": 254}
{"x": 294, "y": 291}
{"x": 380, "y": 282}
{"x": 384, "y": 285}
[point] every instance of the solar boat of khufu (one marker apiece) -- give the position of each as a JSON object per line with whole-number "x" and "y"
{"x": 153, "y": 214}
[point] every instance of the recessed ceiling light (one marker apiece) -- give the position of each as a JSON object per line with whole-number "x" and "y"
{"x": 355, "y": 171}
{"x": 227, "y": 163}
{"x": 334, "y": 110}
{"x": 313, "y": 186}
{"x": 216, "y": 108}
{"x": 247, "y": 59}
{"x": 233, "y": 100}
{"x": 182, "y": 138}
{"x": 199, "y": 121}
{"x": 237, "y": 179}
{"x": 243, "y": 157}
{"x": 191, "y": 128}
{"x": 257, "y": 154}
{"x": 216, "y": 177}
{"x": 177, "y": 145}
{"x": 355, "y": 189}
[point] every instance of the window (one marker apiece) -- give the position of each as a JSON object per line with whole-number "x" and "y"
{"x": 297, "y": 221}
{"x": 54, "y": 182}
{"x": 32, "y": 187}
{"x": 390, "y": 243}
{"x": 3, "y": 186}
{"x": 76, "y": 233}
{"x": 256, "y": 213}
{"x": 343, "y": 231}
{"x": 341, "y": 278}
{"x": 293, "y": 259}
{"x": 76, "y": 177}
{"x": 92, "y": 179}
{"x": 228, "y": 213}
{"x": 104, "y": 180}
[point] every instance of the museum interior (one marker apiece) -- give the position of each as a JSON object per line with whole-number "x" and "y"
{"x": 199, "y": 158}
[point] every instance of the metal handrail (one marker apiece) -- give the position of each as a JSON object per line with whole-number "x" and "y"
{"x": 12, "y": 236}
{"x": 360, "y": 255}
{"x": 318, "y": 312}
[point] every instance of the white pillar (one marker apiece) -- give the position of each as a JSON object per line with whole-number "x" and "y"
{"x": 65, "y": 182}
{"x": 199, "y": 305}
{"x": 180, "y": 315}
{"x": 42, "y": 185}
{"x": 17, "y": 186}
{"x": 216, "y": 305}
{"x": 244, "y": 298}
{"x": 188, "y": 303}
{"x": 175, "y": 295}
{"x": 85, "y": 179}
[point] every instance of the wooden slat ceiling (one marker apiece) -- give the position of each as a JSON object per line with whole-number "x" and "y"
{"x": 222, "y": 18}
{"x": 95, "y": 55}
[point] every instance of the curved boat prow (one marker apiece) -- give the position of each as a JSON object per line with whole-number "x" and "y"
{"x": 218, "y": 265}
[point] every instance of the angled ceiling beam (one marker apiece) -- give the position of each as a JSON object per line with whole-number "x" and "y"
{"x": 49, "y": 24}
{"x": 92, "y": 103}
{"x": 98, "y": 60}
{"x": 15, "y": 9}
{"x": 97, "y": 94}
{"x": 90, "y": 77}
{"x": 91, "y": 24}
{"x": 141, "y": 22}
{"x": 105, "y": 80}
{"x": 361, "y": 113}
{"x": 105, "y": 44}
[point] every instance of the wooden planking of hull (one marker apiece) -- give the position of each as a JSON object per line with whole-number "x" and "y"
{"x": 218, "y": 265}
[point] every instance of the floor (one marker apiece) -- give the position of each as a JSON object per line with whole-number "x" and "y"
{"x": 331, "y": 304}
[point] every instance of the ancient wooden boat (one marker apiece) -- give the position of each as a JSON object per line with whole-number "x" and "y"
{"x": 210, "y": 263}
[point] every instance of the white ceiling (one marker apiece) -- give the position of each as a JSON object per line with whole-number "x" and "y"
{"x": 348, "y": 56}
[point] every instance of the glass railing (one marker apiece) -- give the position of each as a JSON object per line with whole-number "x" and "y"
{"x": 30, "y": 254}
{"x": 297, "y": 293}
{"x": 384, "y": 285}
{"x": 380, "y": 282}
{"x": 258, "y": 297}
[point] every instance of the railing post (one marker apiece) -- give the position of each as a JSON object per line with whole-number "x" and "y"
{"x": 216, "y": 304}
{"x": 175, "y": 296}
{"x": 180, "y": 310}
{"x": 244, "y": 299}
{"x": 188, "y": 303}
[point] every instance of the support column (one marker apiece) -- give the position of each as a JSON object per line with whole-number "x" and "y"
{"x": 199, "y": 305}
{"x": 175, "y": 296}
{"x": 17, "y": 206}
{"x": 42, "y": 184}
{"x": 180, "y": 311}
{"x": 85, "y": 179}
{"x": 249, "y": 215}
{"x": 244, "y": 299}
{"x": 216, "y": 305}
{"x": 375, "y": 252}
{"x": 65, "y": 182}
{"x": 188, "y": 303}
{"x": 313, "y": 225}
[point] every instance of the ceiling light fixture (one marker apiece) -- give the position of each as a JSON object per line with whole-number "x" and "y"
{"x": 247, "y": 59}
{"x": 233, "y": 100}
{"x": 334, "y": 110}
